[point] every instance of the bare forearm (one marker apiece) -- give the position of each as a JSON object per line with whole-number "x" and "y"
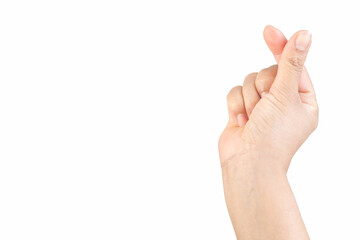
{"x": 261, "y": 204}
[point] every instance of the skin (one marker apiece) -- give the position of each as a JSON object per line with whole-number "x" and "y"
{"x": 270, "y": 116}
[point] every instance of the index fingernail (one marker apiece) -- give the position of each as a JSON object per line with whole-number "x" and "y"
{"x": 303, "y": 40}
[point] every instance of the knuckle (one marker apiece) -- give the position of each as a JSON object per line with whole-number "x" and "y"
{"x": 235, "y": 100}
{"x": 262, "y": 82}
{"x": 260, "y": 86}
{"x": 262, "y": 72}
{"x": 270, "y": 71}
{"x": 275, "y": 66}
{"x": 266, "y": 77}
{"x": 250, "y": 77}
{"x": 235, "y": 105}
{"x": 234, "y": 90}
{"x": 232, "y": 105}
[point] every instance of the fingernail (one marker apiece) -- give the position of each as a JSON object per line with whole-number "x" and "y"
{"x": 242, "y": 119}
{"x": 303, "y": 40}
{"x": 263, "y": 94}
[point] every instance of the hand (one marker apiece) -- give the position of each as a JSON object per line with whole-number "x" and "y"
{"x": 269, "y": 118}
{"x": 275, "y": 110}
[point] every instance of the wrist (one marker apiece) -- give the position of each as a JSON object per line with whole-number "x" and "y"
{"x": 254, "y": 167}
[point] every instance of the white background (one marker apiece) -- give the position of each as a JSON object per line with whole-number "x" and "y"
{"x": 110, "y": 113}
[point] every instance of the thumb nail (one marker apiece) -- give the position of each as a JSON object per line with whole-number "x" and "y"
{"x": 303, "y": 40}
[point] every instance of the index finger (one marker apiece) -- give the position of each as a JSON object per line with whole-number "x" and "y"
{"x": 275, "y": 40}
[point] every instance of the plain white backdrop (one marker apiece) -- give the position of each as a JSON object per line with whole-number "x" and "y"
{"x": 110, "y": 113}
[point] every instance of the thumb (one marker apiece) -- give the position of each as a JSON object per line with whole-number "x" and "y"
{"x": 291, "y": 64}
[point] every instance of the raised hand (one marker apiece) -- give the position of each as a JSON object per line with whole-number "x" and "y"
{"x": 270, "y": 116}
{"x": 275, "y": 110}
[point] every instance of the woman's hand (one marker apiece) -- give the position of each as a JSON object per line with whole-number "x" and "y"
{"x": 270, "y": 116}
{"x": 275, "y": 110}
